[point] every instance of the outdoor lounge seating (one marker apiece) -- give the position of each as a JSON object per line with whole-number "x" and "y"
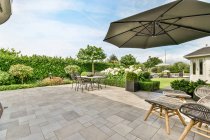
{"x": 165, "y": 107}
{"x": 199, "y": 113}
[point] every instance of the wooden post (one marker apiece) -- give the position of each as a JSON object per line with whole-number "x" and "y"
{"x": 187, "y": 129}
{"x": 149, "y": 112}
{"x": 181, "y": 118}
{"x": 167, "y": 122}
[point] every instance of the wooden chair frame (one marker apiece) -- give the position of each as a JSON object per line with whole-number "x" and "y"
{"x": 158, "y": 110}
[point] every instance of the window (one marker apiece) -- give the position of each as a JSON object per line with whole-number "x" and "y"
{"x": 194, "y": 68}
{"x": 201, "y": 67}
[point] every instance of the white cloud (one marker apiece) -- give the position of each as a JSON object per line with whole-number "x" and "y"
{"x": 32, "y": 31}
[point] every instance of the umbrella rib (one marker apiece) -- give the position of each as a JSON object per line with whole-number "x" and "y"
{"x": 207, "y": 14}
{"x": 169, "y": 26}
{"x": 170, "y": 8}
{"x": 168, "y": 34}
{"x": 187, "y": 27}
{"x": 125, "y": 32}
{"x": 134, "y": 36}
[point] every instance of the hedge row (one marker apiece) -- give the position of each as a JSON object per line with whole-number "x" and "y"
{"x": 150, "y": 85}
{"x": 43, "y": 65}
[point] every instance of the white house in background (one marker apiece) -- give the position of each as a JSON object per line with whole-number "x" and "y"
{"x": 200, "y": 64}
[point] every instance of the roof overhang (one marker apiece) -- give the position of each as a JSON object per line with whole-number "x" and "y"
{"x": 196, "y": 56}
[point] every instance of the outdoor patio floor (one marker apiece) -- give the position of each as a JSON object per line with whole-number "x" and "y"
{"x": 60, "y": 113}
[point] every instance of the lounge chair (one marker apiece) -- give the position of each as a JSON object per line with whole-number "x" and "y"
{"x": 199, "y": 113}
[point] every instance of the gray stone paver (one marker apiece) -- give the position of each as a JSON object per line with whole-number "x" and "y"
{"x": 122, "y": 129}
{"x": 60, "y": 113}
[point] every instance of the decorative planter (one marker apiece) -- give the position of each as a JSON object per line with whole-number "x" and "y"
{"x": 132, "y": 86}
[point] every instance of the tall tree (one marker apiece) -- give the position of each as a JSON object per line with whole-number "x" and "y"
{"x": 179, "y": 67}
{"x": 128, "y": 60}
{"x": 113, "y": 59}
{"x": 9, "y": 52}
{"x": 152, "y": 62}
{"x": 91, "y": 54}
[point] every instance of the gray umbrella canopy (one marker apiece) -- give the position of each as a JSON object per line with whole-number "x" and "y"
{"x": 5, "y": 10}
{"x": 171, "y": 24}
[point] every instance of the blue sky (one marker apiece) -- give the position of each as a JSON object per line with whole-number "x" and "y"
{"x": 62, "y": 27}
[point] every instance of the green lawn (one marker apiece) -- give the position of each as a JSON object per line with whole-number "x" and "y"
{"x": 165, "y": 82}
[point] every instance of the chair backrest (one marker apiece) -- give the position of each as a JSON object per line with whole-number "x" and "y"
{"x": 73, "y": 77}
{"x": 202, "y": 91}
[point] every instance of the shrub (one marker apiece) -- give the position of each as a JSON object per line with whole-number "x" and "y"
{"x": 149, "y": 86}
{"x": 72, "y": 69}
{"x": 21, "y": 71}
{"x": 52, "y": 81}
{"x": 145, "y": 76}
{"x": 186, "y": 86}
{"x": 5, "y": 78}
{"x": 130, "y": 76}
{"x": 18, "y": 86}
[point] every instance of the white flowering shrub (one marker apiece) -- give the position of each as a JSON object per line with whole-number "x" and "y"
{"x": 121, "y": 71}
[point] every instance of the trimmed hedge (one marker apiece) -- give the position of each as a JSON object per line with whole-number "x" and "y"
{"x": 25, "y": 86}
{"x": 115, "y": 81}
{"x": 150, "y": 85}
{"x": 43, "y": 65}
{"x": 186, "y": 86}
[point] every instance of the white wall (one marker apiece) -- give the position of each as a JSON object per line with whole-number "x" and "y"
{"x": 206, "y": 69}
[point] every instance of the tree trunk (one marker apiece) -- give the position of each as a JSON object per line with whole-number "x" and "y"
{"x": 93, "y": 71}
{"x": 22, "y": 80}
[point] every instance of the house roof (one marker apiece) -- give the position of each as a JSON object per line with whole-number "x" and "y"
{"x": 199, "y": 53}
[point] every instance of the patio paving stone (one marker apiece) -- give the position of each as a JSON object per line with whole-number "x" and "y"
{"x": 68, "y": 130}
{"x": 18, "y": 131}
{"x": 60, "y": 113}
{"x": 122, "y": 129}
{"x": 93, "y": 133}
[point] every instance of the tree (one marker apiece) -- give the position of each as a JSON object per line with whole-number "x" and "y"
{"x": 179, "y": 67}
{"x": 21, "y": 71}
{"x": 113, "y": 59}
{"x": 9, "y": 52}
{"x": 91, "y": 54}
{"x": 152, "y": 62}
{"x": 128, "y": 60}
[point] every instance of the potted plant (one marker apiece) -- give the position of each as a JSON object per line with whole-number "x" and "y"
{"x": 132, "y": 83}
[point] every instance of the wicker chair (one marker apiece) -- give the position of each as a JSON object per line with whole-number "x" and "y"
{"x": 202, "y": 91}
{"x": 199, "y": 113}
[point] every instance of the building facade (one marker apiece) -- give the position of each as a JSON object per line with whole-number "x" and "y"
{"x": 200, "y": 64}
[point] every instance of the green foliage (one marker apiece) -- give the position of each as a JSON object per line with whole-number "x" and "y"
{"x": 43, "y": 65}
{"x": 91, "y": 54}
{"x": 179, "y": 67}
{"x": 144, "y": 76}
{"x": 84, "y": 73}
{"x": 130, "y": 76}
{"x": 71, "y": 69}
{"x": 5, "y": 78}
{"x": 18, "y": 86}
{"x": 118, "y": 81}
{"x": 113, "y": 59}
{"x": 186, "y": 86}
{"x": 150, "y": 85}
{"x": 7, "y": 52}
{"x": 21, "y": 71}
{"x": 128, "y": 60}
{"x": 152, "y": 62}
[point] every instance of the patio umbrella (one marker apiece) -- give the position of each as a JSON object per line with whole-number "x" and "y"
{"x": 5, "y": 10}
{"x": 171, "y": 24}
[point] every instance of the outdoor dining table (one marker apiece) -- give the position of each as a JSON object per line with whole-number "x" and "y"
{"x": 93, "y": 79}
